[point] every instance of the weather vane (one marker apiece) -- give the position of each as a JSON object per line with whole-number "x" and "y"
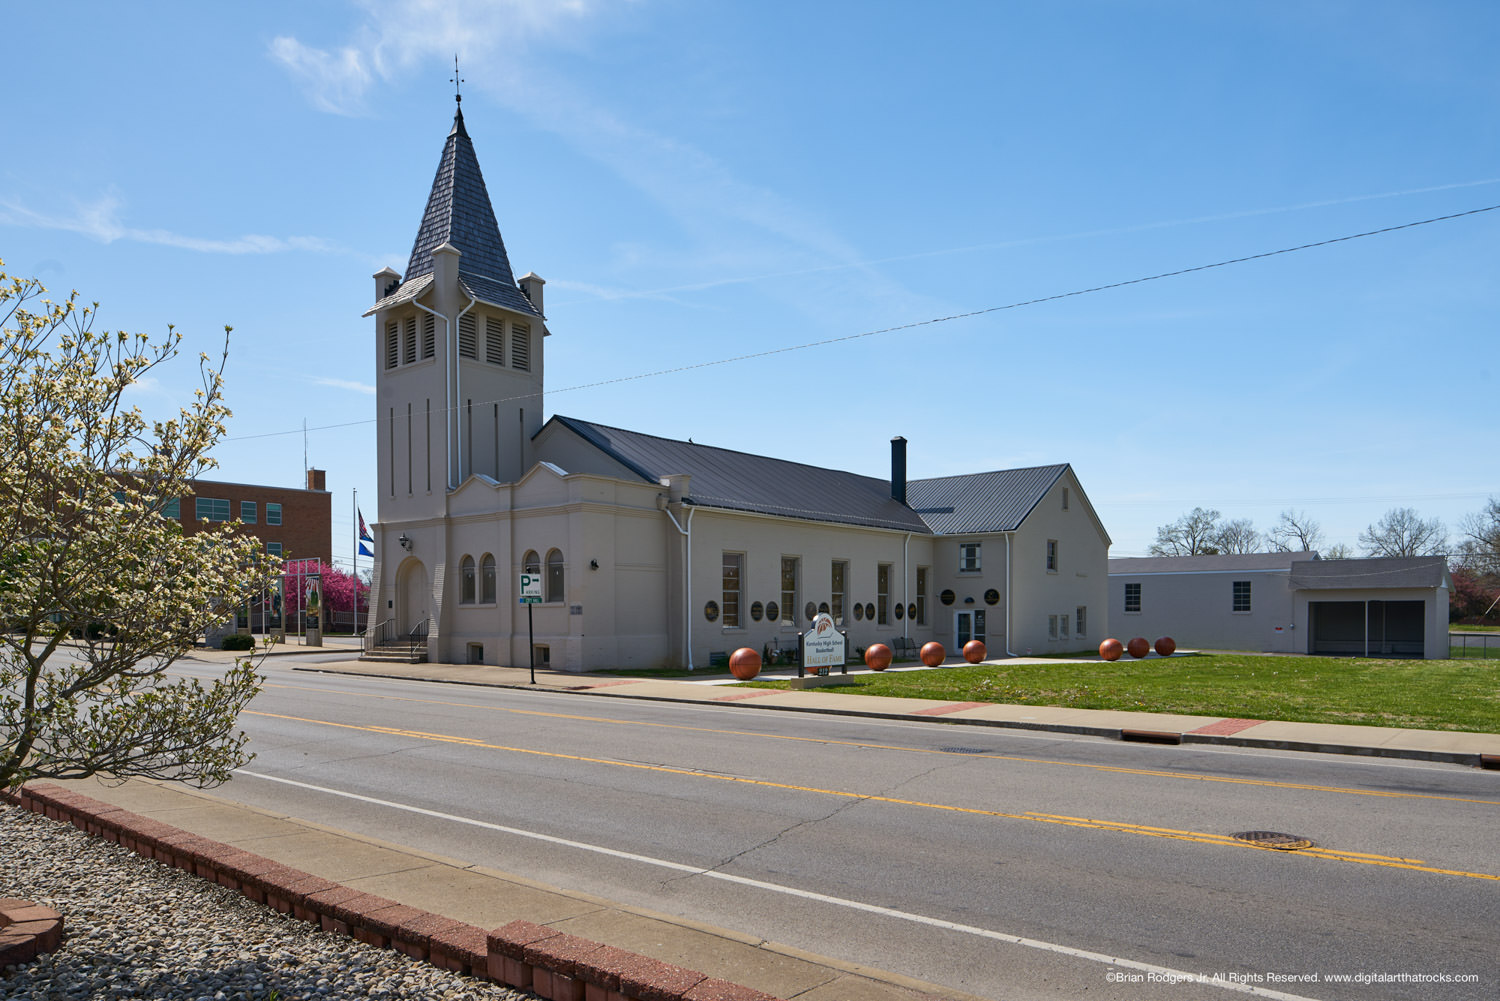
{"x": 457, "y": 81}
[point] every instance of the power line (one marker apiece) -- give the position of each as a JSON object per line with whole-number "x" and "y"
{"x": 769, "y": 352}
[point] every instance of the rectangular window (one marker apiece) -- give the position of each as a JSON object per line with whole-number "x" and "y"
{"x": 468, "y": 337}
{"x": 1052, "y": 556}
{"x": 734, "y": 575}
{"x": 789, "y": 567}
{"x": 839, "y": 576}
{"x": 392, "y": 344}
{"x": 1242, "y": 596}
{"x": 882, "y": 593}
{"x": 921, "y": 596}
{"x": 520, "y": 347}
{"x": 172, "y": 509}
{"x": 1052, "y": 627}
{"x": 968, "y": 557}
{"x": 494, "y": 340}
{"x": 273, "y": 548}
{"x": 429, "y": 335}
{"x": 1062, "y": 626}
{"x": 1065, "y": 498}
{"x": 1132, "y": 597}
{"x": 211, "y": 508}
{"x": 409, "y": 341}
{"x": 247, "y": 512}
{"x": 1081, "y": 627}
{"x": 273, "y": 513}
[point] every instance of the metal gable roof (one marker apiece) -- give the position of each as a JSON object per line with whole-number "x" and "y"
{"x": 981, "y": 502}
{"x": 1375, "y": 572}
{"x": 1218, "y": 563}
{"x": 738, "y": 481}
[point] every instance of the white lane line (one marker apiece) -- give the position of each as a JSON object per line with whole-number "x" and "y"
{"x": 1030, "y": 943}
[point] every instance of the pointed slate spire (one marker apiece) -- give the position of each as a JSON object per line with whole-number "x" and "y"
{"x": 459, "y": 212}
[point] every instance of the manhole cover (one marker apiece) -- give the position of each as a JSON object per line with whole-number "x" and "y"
{"x": 964, "y": 750}
{"x": 1272, "y": 839}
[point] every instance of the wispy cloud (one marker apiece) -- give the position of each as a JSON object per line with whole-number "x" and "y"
{"x": 100, "y": 220}
{"x": 397, "y": 35}
{"x": 350, "y": 384}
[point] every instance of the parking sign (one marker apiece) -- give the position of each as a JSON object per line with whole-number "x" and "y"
{"x": 531, "y": 589}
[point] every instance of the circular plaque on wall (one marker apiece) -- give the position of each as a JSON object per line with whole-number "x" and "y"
{"x": 811, "y": 610}
{"x": 992, "y": 597}
{"x": 870, "y": 611}
{"x": 900, "y": 610}
{"x": 859, "y": 611}
{"x": 773, "y": 611}
{"x": 711, "y": 611}
{"x": 911, "y": 610}
{"x": 947, "y": 597}
{"x": 757, "y": 610}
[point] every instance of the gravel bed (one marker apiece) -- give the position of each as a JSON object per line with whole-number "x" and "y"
{"x": 138, "y": 929}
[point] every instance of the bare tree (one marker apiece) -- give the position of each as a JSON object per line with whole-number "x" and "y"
{"x": 1401, "y": 532}
{"x": 1479, "y": 547}
{"x": 1238, "y": 536}
{"x": 1295, "y": 532}
{"x": 1339, "y": 551}
{"x": 1194, "y": 534}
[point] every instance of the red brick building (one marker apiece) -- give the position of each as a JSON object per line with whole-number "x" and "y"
{"x": 289, "y": 522}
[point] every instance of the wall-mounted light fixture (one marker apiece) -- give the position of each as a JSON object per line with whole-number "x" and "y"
{"x": 405, "y": 541}
{"x": 593, "y": 564}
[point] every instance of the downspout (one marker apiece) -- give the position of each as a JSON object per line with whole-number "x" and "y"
{"x": 1009, "y": 614}
{"x": 687, "y": 596}
{"x": 906, "y": 582}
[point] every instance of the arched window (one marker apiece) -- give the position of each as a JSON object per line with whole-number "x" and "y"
{"x": 466, "y": 581}
{"x": 531, "y": 563}
{"x": 555, "y": 575}
{"x": 487, "y": 579}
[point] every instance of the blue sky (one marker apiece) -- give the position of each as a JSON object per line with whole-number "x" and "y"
{"x": 701, "y": 180}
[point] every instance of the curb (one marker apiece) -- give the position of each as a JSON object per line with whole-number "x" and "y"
{"x": 1471, "y": 759}
{"x": 523, "y": 955}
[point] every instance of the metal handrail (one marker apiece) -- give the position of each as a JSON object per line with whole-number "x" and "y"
{"x": 385, "y": 632}
{"x": 418, "y": 634}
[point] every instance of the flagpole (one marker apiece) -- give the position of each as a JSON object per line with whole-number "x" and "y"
{"x": 354, "y": 557}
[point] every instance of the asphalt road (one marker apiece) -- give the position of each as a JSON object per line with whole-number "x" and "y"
{"x": 1009, "y": 865}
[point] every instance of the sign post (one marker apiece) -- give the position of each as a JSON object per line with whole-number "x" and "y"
{"x": 531, "y": 594}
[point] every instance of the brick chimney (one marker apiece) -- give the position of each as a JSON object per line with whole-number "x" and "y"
{"x": 316, "y": 480}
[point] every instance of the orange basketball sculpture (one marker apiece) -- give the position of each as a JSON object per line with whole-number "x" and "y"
{"x": 1111, "y": 649}
{"x": 1165, "y": 646}
{"x": 744, "y": 663}
{"x": 878, "y": 657}
{"x": 933, "y": 654}
{"x": 974, "y": 651}
{"x": 1138, "y": 647}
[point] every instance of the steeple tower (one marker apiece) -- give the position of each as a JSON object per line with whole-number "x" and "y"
{"x": 459, "y": 346}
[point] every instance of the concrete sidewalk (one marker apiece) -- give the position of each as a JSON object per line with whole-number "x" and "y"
{"x": 1475, "y": 749}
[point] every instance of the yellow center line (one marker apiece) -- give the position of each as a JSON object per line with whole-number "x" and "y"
{"x": 1044, "y": 818}
{"x": 1115, "y": 769}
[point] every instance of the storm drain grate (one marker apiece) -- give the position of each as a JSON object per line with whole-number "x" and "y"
{"x": 964, "y": 750}
{"x": 1272, "y": 839}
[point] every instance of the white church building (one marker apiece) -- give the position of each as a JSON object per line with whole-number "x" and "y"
{"x": 654, "y": 551}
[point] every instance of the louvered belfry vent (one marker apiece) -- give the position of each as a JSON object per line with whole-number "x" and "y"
{"x": 494, "y": 340}
{"x": 429, "y": 335}
{"x": 466, "y": 336}
{"x": 520, "y": 347}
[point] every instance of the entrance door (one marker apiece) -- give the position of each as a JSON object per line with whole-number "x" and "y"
{"x": 413, "y": 598}
{"x": 969, "y": 626}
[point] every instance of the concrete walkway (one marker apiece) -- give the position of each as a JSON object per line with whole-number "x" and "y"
{"x": 487, "y": 898}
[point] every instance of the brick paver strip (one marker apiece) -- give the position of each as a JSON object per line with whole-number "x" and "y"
{"x": 739, "y": 696}
{"x": 714, "y": 989}
{"x": 652, "y": 980}
{"x": 27, "y": 930}
{"x": 1226, "y": 727}
{"x": 952, "y": 707}
{"x": 609, "y": 684}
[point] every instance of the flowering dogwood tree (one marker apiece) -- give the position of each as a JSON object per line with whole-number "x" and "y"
{"x": 99, "y": 591}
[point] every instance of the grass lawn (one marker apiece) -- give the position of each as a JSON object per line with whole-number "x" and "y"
{"x": 1419, "y": 694}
